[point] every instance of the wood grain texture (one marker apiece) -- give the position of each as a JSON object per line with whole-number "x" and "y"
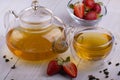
{"x": 26, "y": 70}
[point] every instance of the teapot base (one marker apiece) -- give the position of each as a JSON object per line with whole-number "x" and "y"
{"x": 32, "y": 56}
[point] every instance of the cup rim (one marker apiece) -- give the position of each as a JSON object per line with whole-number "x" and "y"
{"x": 94, "y": 28}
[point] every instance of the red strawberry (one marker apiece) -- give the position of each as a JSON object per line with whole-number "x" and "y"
{"x": 89, "y": 3}
{"x": 53, "y": 67}
{"x": 70, "y": 68}
{"x": 97, "y": 8}
{"x": 79, "y": 10}
{"x": 92, "y": 15}
{"x": 62, "y": 66}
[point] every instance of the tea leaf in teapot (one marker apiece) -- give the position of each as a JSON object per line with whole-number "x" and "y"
{"x": 60, "y": 46}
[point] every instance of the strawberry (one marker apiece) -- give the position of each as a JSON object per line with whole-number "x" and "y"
{"x": 62, "y": 66}
{"x": 79, "y": 10}
{"x": 53, "y": 67}
{"x": 89, "y": 3}
{"x": 92, "y": 15}
{"x": 97, "y": 8}
{"x": 70, "y": 68}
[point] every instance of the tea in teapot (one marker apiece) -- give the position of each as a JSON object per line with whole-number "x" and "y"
{"x": 33, "y": 45}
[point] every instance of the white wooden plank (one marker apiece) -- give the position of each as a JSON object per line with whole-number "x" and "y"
{"x": 29, "y": 71}
{"x": 111, "y": 20}
{"x": 5, "y": 66}
{"x": 114, "y": 6}
{"x": 3, "y": 8}
{"x": 51, "y": 4}
{"x": 61, "y": 11}
{"x": 34, "y": 71}
{"x": 26, "y": 70}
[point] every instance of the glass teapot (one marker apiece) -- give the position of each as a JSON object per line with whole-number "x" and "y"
{"x": 35, "y": 34}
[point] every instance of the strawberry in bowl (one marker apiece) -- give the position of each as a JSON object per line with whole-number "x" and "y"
{"x": 86, "y": 12}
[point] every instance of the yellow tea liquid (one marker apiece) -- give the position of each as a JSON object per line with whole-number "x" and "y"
{"x": 33, "y": 44}
{"x": 92, "y": 45}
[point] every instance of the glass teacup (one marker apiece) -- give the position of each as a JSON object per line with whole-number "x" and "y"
{"x": 92, "y": 44}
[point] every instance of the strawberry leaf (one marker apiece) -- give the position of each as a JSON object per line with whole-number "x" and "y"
{"x": 71, "y": 6}
{"x": 100, "y": 3}
{"x": 100, "y": 15}
{"x": 67, "y": 59}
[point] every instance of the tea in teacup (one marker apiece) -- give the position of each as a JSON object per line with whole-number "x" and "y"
{"x": 92, "y": 45}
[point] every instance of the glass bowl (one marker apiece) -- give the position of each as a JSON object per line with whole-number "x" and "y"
{"x": 81, "y": 21}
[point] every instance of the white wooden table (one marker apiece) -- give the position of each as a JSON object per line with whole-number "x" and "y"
{"x": 37, "y": 71}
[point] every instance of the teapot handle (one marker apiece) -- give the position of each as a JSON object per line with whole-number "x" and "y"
{"x": 7, "y": 19}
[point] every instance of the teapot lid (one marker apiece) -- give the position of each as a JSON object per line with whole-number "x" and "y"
{"x": 36, "y": 15}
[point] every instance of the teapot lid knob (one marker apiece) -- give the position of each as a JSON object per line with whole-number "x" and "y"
{"x": 35, "y": 4}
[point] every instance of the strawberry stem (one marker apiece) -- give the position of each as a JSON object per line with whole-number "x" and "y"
{"x": 60, "y": 60}
{"x": 100, "y": 3}
{"x": 67, "y": 59}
